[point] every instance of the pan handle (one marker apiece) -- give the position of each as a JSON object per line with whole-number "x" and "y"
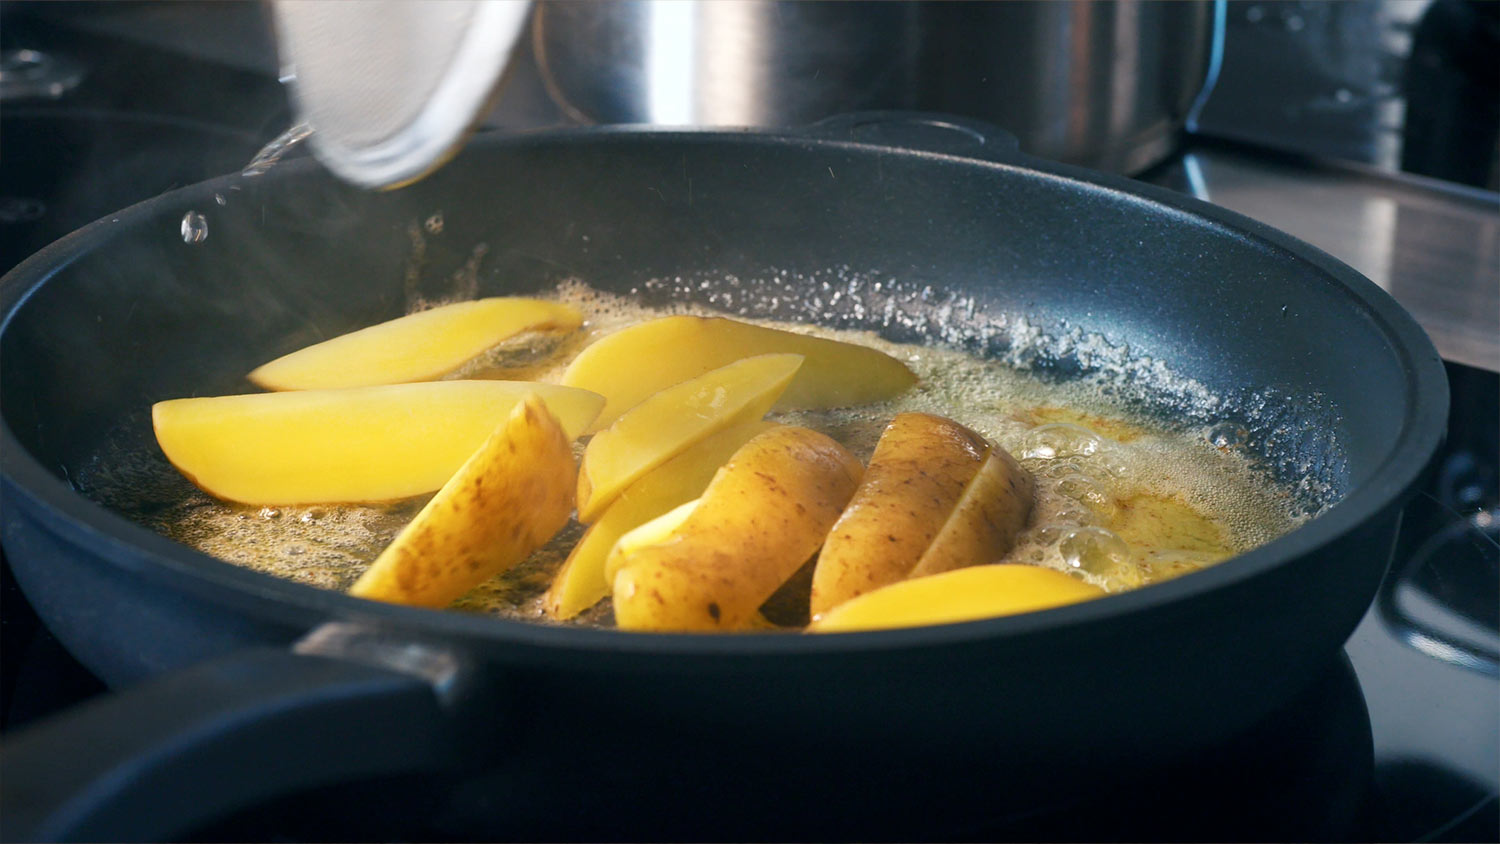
{"x": 162, "y": 758}
{"x": 947, "y": 134}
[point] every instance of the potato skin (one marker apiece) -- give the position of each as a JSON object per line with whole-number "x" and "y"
{"x": 913, "y": 509}
{"x": 512, "y": 496}
{"x": 763, "y": 515}
{"x": 581, "y": 582}
{"x": 987, "y": 519}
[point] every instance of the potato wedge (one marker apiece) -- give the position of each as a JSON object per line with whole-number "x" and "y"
{"x": 629, "y": 365}
{"x": 360, "y": 444}
{"x": 924, "y": 488}
{"x": 1146, "y": 520}
{"x": 765, "y": 513}
{"x": 506, "y": 501}
{"x": 987, "y": 519}
{"x": 672, "y": 420}
{"x": 418, "y": 347}
{"x": 582, "y": 581}
{"x": 965, "y": 594}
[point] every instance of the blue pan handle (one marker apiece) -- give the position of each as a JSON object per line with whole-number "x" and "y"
{"x": 946, "y": 134}
{"x": 162, "y": 758}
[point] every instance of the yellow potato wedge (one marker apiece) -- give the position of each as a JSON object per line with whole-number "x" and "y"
{"x": 925, "y": 501}
{"x": 582, "y": 581}
{"x": 986, "y": 521}
{"x": 651, "y": 533}
{"x": 1159, "y": 521}
{"x": 418, "y": 347}
{"x": 1118, "y": 430}
{"x": 360, "y": 444}
{"x": 672, "y": 420}
{"x": 629, "y": 365}
{"x": 763, "y": 515}
{"x": 965, "y": 594}
{"x": 506, "y": 501}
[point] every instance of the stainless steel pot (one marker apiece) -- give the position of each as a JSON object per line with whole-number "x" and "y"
{"x": 1102, "y": 83}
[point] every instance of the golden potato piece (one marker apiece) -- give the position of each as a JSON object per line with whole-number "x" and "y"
{"x": 924, "y": 501}
{"x": 582, "y": 581}
{"x": 765, "y": 513}
{"x": 1147, "y": 520}
{"x": 511, "y": 496}
{"x": 966, "y": 594}
{"x": 659, "y": 428}
{"x": 360, "y": 444}
{"x": 418, "y": 347}
{"x": 629, "y": 365}
{"x": 987, "y": 519}
{"x": 1118, "y": 430}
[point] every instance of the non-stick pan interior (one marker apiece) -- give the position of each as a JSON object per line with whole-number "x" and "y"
{"x": 1062, "y": 275}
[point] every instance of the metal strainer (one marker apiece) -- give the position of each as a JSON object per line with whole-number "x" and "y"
{"x": 392, "y": 87}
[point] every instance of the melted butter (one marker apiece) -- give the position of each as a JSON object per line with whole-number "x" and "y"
{"x": 1122, "y": 500}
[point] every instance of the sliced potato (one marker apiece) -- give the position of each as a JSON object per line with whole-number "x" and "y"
{"x": 418, "y": 347}
{"x": 765, "y": 513}
{"x": 672, "y": 420}
{"x": 1118, "y": 430}
{"x": 629, "y": 365}
{"x": 965, "y": 594}
{"x": 360, "y": 444}
{"x": 506, "y": 501}
{"x": 987, "y": 519}
{"x": 924, "y": 501}
{"x": 1147, "y": 520}
{"x": 656, "y": 531}
{"x": 582, "y": 580}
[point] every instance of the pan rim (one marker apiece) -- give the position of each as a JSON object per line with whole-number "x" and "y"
{"x": 121, "y": 542}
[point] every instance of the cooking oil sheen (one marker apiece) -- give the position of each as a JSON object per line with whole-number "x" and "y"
{"x": 1122, "y": 500}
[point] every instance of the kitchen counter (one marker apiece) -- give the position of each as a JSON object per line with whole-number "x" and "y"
{"x": 1434, "y": 246}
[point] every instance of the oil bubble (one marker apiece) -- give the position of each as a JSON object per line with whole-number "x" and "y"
{"x": 1055, "y": 469}
{"x": 1111, "y": 464}
{"x": 1227, "y": 435}
{"x": 194, "y": 227}
{"x": 1085, "y": 491}
{"x": 1059, "y": 439}
{"x": 1076, "y": 515}
{"x": 1101, "y": 553}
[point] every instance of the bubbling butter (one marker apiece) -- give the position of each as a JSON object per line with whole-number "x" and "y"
{"x": 1122, "y": 500}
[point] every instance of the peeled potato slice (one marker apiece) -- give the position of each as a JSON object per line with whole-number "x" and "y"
{"x": 935, "y": 496}
{"x": 361, "y": 444}
{"x": 418, "y": 347}
{"x": 506, "y": 501}
{"x": 582, "y": 580}
{"x": 765, "y": 513}
{"x": 672, "y": 420}
{"x": 965, "y": 594}
{"x": 629, "y": 365}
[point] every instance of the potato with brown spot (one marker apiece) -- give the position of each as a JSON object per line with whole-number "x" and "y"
{"x": 936, "y": 496}
{"x": 763, "y": 515}
{"x": 511, "y": 496}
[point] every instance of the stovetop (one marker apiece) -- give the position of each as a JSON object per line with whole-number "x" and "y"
{"x": 1399, "y": 741}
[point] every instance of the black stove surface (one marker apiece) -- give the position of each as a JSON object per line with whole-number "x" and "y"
{"x": 1400, "y": 740}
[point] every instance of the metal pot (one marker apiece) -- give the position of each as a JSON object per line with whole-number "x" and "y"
{"x": 1100, "y": 83}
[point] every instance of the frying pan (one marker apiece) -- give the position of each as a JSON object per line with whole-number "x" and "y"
{"x": 917, "y": 226}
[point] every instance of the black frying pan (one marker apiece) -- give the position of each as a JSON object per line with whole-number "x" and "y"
{"x": 709, "y": 736}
